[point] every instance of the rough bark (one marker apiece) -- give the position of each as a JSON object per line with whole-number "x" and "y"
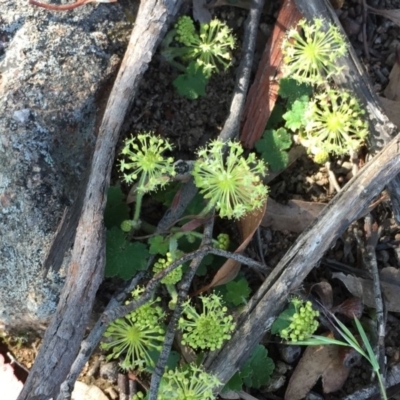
{"x": 268, "y": 301}
{"x": 64, "y": 335}
{"x": 355, "y": 79}
{"x": 49, "y": 101}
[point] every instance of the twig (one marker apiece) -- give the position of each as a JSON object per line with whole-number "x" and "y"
{"x": 242, "y": 259}
{"x": 93, "y": 339}
{"x": 184, "y": 288}
{"x": 232, "y": 123}
{"x": 260, "y": 312}
{"x": 332, "y": 177}
{"x": 372, "y": 234}
{"x": 364, "y": 29}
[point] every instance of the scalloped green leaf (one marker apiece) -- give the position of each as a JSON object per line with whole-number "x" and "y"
{"x": 116, "y": 209}
{"x": 294, "y": 117}
{"x": 123, "y": 258}
{"x": 283, "y": 320}
{"x": 272, "y": 146}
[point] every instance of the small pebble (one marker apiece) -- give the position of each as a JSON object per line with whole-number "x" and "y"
{"x": 289, "y": 354}
{"x": 109, "y": 371}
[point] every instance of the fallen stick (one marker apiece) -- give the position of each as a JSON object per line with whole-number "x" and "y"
{"x": 302, "y": 257}
{"x": 63, "y": 337}
{"x": 355, "y": 79}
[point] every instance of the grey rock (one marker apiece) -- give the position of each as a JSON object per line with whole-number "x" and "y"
{"x": 53, "y": 69}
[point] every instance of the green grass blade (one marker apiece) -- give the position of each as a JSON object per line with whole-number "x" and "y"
{"x": 372, "y": 358}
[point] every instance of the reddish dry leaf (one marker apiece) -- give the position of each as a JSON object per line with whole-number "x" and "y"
{"x": 351, "y": 308}
{"x": 194, "y": 224}
{"x": 65, "y": 7}
{"x": 264, "y": 91}
{"x": 229, "y": 270}
{"x": 293, "y": 217}
{"x": 324, "y": 362}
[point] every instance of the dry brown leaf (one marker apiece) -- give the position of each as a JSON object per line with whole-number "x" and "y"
{"x": 324, "y": 362}
{"x": 392, "y": 91}
{"x": 229, "y": 270}
{"x": 392, "y": 108}
{"x": 324, "y": 292}
{"x": 293, "y": 217}
{"x": 363, "y": 288}
{"x": 263, "y": 93}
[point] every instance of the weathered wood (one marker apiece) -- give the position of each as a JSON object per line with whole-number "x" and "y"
{"x": 301, "y": 258}
{"x": 63, "y": 337}
{"x": 355, "y": 79}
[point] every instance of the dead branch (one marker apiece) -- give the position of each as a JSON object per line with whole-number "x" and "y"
{"x": 355, "y": 79}
{"x": 64, "y": 335}
{"x": 269, "y": 300}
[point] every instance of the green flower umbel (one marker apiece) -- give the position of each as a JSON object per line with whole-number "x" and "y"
{"x": 335, "y": 124}
{"x": 232, "y": 186}
{"x": 209, "y": 329}
{"x": 135, "y": 335}
{"x": 143, "y": 160}
{"x": 162, "y": 263}
{"x": 187, "y": 383}
{"x": 304, "y": 322}
{"x": 311, "y": 56}
{"x": 211, "y": 48}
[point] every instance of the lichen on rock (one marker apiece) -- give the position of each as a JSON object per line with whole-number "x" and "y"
{"x": 53, "y": 69}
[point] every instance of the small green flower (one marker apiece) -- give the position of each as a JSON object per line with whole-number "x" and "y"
{"x": 209, "y": 329}
{"x": 311, "y": 57}
{"x": 335, "y": 123}
{"x": 210, "y": 48}
{"x": 233, "y": 187}
{"x": 135, "y": 335}
{"x": 223, "y": 241}
{"x": 173, "y": 277}
{"x": 187, "y": 383}
{"x": 303, "y": 322}
{"x": 144, "y": 161}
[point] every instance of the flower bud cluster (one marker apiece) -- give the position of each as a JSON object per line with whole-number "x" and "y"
{"x": 174, "y": 276}
{"x": 209, "y": 329}
{"x": 303, "y": 322}
{"x": 223, "y": 241}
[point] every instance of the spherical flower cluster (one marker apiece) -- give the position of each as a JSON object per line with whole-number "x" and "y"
{"x": 311, "y": 56}
{"x": 303, "y": 322}
{"x": 173, "y": 277}
{"x": 185, "y": 30}
{"x": 223, "y": 241}
{"x": 187, "y": 383}
{"x": 135, "y": 335}
{"x": 234, "y": 186}
{"x": 143, "y": 161}
{"x": 335, "y": 124}
{"x": 210, "y": 48}
{"x": 209, "y": 329}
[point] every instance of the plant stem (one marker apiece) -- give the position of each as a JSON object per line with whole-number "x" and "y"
{"x": 139, "y": 197}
